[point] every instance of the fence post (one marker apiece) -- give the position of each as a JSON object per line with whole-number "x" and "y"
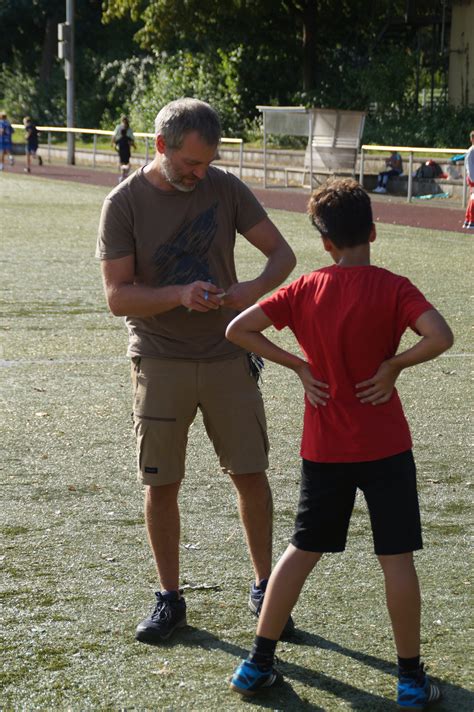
{"x": 361, "y": 167}
{"x": 464, "y": 186}
{"x": 94, "y": 152}
{"x": 264, "y": 151}
{"x": 410, "y": 177}
{"x": 241, "y": 159}
{"x": 49, "y": 146}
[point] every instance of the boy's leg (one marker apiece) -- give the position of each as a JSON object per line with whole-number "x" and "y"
{"x": 402, "y": 593}
{"x": 284, "y": 587}
{"x": 415, "y": 690}
{"x": 283, "y": 590}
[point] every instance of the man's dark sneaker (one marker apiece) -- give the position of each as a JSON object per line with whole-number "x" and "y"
{"x": 417, "y": 691}
{"x": 257, "y": 594}
{"x": 168, "y": 614}
{"x": 249, "y": 678}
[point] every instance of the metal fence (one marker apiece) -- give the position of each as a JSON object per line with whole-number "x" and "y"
{"x": 411, "y": 150}
{"x": 148, "y": 138}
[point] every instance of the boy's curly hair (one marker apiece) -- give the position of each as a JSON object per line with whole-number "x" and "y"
{"x": 340, "y": 209}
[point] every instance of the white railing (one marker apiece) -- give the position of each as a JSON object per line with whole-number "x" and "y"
{"x": 411, "y": 150}
{"x": 49, "y": 130}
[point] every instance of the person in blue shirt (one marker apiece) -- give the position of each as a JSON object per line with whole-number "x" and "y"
{"x": 6, "y": 146}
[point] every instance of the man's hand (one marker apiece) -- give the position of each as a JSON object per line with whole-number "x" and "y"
{"x": 316, "y": 391}
{"x": 201, "y": 296}
{"x": 241, "y": 295}
{"x": 379, "y": 388}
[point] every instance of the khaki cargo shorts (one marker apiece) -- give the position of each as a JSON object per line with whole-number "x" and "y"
{"x": 167, "y": 395}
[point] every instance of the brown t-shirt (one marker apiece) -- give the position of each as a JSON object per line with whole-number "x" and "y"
{"x": 178, "y": 238}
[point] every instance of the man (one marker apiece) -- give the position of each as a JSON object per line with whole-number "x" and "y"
{"x": 166, "y": 240}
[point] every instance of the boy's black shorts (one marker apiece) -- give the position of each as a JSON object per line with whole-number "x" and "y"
{"x": 327, "y": 499}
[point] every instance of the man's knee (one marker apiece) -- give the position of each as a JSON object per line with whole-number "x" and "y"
{"x": 251, "y": 482}
{"x": 159, "y": 495}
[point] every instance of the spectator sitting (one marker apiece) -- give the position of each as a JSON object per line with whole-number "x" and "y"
{"x": 395, "y": 168}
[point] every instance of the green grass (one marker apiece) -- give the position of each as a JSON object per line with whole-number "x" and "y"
{"x": 77, "y": 572}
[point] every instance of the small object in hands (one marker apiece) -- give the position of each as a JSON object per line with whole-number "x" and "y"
{"x": 206, "y": 295}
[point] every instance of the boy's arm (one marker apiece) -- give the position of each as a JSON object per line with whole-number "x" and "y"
{"x": 436, "y": 337}
{"x": 245, "y": 330}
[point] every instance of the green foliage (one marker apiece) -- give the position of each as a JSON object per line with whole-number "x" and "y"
{"x": 24, "y": 95}
{"x": 446, "y": 127}
{"x": 211, "y": 79}
{"x": 352, "y": 81}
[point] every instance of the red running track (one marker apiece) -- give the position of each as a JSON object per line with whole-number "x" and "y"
{"x": 386, "y": 209}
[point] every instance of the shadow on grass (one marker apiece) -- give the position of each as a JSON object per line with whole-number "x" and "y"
{"x": 455, "y": 697}
{"x": 285, "y": 695}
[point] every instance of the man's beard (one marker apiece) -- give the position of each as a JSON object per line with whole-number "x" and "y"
{"x": 173, "y": 177}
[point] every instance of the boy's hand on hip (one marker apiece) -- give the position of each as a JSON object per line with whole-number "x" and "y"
{"x": 316, "y": 391}
{"x": 379, "y": 388}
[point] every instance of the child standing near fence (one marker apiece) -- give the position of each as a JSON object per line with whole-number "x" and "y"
{"x": 31, "y": 148}
{"x": 469, "y": 163}
{"x": 348, "y": 320}
{"x": 123, "y": 146}
{"x": 6, "y": 144}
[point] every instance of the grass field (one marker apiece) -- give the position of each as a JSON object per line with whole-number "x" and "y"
{"x": 77, "y": 572}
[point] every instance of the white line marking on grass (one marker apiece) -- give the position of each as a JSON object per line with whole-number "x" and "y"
{"x": 6, "y": 363}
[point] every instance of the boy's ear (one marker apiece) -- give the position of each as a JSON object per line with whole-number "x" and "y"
{"x": 327, "y": 244}
{"x": 160, "y": 144}
{"x": 373, "y": 233}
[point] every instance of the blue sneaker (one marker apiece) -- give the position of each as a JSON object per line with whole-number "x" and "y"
{"x": 257, "y": 594}
{"x": 415, "y": 693}
{"x": 169, "y": 613}
{"x": 248, "y": 678}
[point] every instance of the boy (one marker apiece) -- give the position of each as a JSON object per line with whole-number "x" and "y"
{"x": 6, "y": 144}
{"x": 348, "y": 320}
{"x": 123, "y": 145}
{"x": 469, "y": 163}
{"x": 31, "y": 137}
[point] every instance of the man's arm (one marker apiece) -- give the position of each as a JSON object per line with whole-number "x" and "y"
{"x": 127, "y": 298}
{"x": 245, "y": 330}
{"x": 436, "y": 337}
{"x": 281, "y": 259}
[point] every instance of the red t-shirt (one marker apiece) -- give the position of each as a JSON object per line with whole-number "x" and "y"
{"x": 348, "y": 320}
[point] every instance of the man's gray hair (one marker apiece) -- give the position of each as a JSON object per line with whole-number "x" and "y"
{"x": 182, "y": 116}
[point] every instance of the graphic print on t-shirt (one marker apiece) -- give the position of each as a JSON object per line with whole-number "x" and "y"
{"x": 183, "y": 259}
